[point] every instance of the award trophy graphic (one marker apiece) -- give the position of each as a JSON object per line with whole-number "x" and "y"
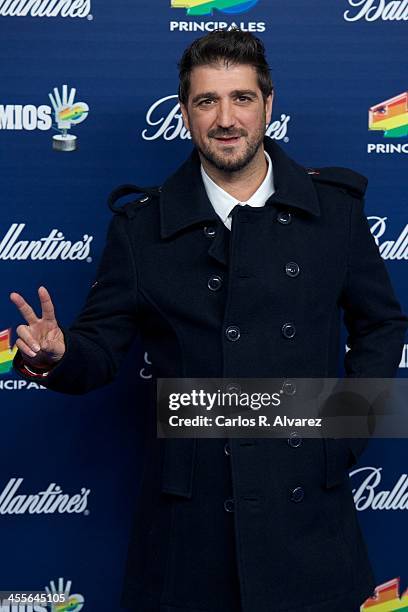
{"x": 67, "y": 113}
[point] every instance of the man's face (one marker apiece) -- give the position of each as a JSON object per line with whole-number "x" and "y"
{"x": 226, "y": 114}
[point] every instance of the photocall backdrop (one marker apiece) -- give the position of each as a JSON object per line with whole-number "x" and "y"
{"x": 104, "y": 73}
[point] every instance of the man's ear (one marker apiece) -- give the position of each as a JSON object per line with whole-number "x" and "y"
{"x": 183, "y": 109}
{"x": 268, "y": 107}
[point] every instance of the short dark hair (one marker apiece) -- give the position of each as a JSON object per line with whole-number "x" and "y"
{"x": 228, "y": 46}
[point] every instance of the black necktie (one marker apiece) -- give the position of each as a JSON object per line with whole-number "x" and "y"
{"x": 235, "y": 210}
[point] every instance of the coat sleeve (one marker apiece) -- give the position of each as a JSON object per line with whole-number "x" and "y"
{"x": 373, "y": 318}
{"x": 372, "y": 315}
{"x": 100, "y": 336}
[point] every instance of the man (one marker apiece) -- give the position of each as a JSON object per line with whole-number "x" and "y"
{"x": 251, "y": 525}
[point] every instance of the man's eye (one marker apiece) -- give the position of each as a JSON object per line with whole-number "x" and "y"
{"x": 244, "y": 99}
{"x": 206, "y": 102}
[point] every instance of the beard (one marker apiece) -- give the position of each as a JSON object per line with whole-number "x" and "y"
{"x": 229, "y": 161}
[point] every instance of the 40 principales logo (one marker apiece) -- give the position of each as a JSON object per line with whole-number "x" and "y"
{"x": 206, "y": 7}
{"x": 391, "y": 118}
{"x": 7, "y": 382}
{"x": 387, "y": 598}
{"x": 52, "y": 599}
{"x": 6, "y": 351}
{"x": 63, "y": 113}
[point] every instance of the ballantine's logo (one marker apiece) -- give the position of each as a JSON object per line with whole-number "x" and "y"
{"x": 52, "y": 247}
{"x": 390, "y": 116}
{"x": 389, "y": 249}
{"x": 371, "y": 10}
{"x": 387, "y": 598}
{"x": 50, "y": 501}
{"x": 206, "y": 7}
{"x": 171, "y": 126}
{"x": 45, "y": 8}
{"x": 366, "y": 496}
{"x": 6, "y": 352}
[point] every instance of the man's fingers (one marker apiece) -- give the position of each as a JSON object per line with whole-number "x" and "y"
{"x": 24, "y": 348}
{"x": 23, "y": 332}
{"x": 47, "y": 307}
{"x": 25, "y": 309}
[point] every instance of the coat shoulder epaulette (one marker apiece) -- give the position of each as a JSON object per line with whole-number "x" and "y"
{"x": 146, "y": 194}
{"x": 343, "y": 178}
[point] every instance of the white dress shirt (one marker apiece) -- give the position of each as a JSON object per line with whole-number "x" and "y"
{"x": 223, "y": 202}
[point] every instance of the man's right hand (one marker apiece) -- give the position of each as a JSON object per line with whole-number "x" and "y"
{"x": 41, "y": 342}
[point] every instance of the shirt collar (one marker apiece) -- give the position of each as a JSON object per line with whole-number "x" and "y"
{"x": 184, "y": 201}
{"x": 223, "y": 202}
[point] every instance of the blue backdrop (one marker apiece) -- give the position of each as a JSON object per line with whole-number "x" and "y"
{"x": 70, "y": 466}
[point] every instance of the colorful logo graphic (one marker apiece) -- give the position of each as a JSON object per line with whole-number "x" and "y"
{"x": 6, "y": 352}
{"x": 70, "y": 603}
{"x": 66, "y": 113}
{"x": 387, "y": 598}
{"x": 390, "y": 116}
{"x": 206, "y": 7}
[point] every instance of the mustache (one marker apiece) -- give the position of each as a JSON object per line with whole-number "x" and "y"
{"x": 226, "y": 133}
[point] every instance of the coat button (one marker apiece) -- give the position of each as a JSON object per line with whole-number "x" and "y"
{"x": 292, "y": 269}
{"x": 297, "y": 494}
{"x": 233, "y": 333}
{"x": 227, "y": 449}
{"x": 209, "y": 231}
{"x": 288, "y": 387}
{"x": 214, "y": 283}
{"x": 288, "y": 330}
{"x": 294, "y": 440}
{"x": 284, "y": 217}
{"x": 229, "y": 505}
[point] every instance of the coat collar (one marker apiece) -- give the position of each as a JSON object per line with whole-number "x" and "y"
{"x": 184, "y": 202}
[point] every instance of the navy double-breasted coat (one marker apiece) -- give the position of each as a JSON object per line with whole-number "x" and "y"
{"x": 255, "y": 525}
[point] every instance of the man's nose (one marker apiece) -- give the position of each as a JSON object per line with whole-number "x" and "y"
{"x": 225, "y": 118}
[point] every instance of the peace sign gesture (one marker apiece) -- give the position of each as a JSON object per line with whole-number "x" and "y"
{"x": 41, "y": 342}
